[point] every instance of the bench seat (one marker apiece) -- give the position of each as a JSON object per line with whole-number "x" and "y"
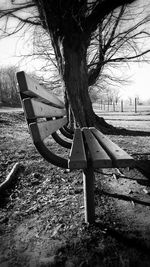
{"x": 103, "y": 153}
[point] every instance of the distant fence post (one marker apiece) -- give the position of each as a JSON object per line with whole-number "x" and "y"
{"x": 135, "y": 105}
{"x": 113, "y": 106}
{"x": 108, "y": 105}
{"x": 121, "y": 105}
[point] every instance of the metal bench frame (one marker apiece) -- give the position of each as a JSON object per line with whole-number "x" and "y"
{"x": 89, "y": 148}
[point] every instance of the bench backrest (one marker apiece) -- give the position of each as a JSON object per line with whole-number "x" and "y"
{"x": 45, "y": 113}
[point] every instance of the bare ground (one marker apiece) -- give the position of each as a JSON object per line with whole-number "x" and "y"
{"x": 42, "y": 216}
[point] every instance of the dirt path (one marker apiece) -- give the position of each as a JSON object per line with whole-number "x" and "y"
{"x": 10, "y": 110}
{"x": 42, "y": 218}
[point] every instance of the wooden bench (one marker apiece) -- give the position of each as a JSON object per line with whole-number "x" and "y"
{"x": 89, "y": 148}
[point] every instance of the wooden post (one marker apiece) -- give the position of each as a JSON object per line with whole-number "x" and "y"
{"x": 135, "y": 105}
{"x": 121, "y": 105}
{"x": 88, "y": 187}
{"x": 113, "y": 106}
{"x": 101, "y": 104}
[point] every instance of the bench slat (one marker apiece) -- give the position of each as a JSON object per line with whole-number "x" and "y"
{"x": 100, "y": 159}
{"x": 36, "y": 109}
{"x": 77, "y": 158}
{"x": 41, "y": 130}
{"x": 30, "y": 87}
{"x": 119, "y": 157}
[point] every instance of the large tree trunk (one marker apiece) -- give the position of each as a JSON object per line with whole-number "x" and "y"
{"x": 76, "y": 83}
{"x": 70, "y": 115}
{"x": 71, "y": 25}
{"x": 70, "y": 43}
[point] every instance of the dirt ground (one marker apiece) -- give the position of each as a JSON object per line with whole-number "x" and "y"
{"x": 42, "y": 216}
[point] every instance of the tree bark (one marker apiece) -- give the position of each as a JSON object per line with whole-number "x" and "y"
{"x": 70, "y": 115}
{"x": 76, "y": 82}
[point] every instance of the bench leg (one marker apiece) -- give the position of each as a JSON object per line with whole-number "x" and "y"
{"x": 88, "y": 187}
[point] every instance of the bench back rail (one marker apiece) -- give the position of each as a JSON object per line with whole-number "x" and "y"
{"x": 30, "y": 87}
{"x": 41, "y": 130}
{"x": 36, "y": 109}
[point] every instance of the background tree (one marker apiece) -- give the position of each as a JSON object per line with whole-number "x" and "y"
{"x": 47, "y": 71}
{"x": 76, "y": 27}
{"x": 8, "y": 87}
